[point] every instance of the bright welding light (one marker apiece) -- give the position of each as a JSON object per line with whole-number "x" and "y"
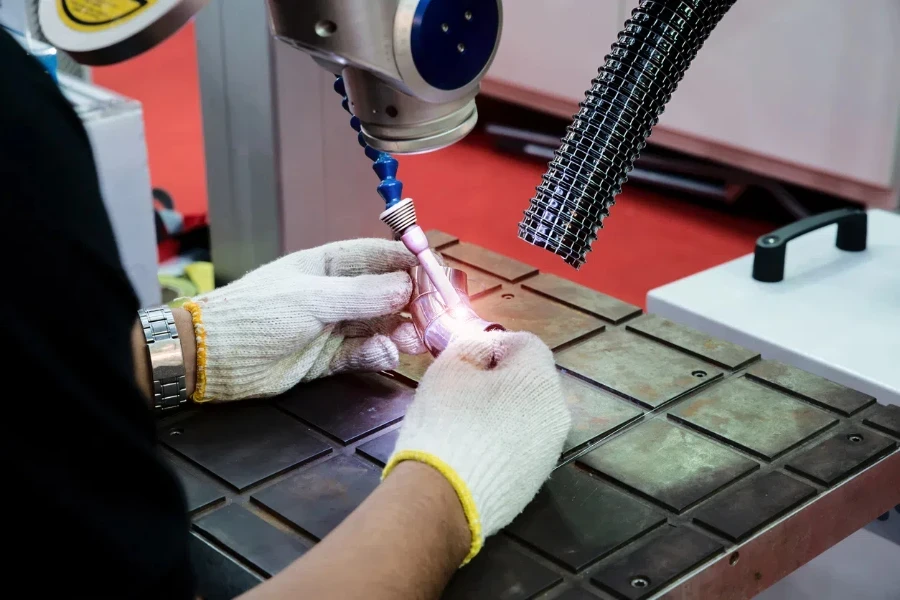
{"x": 436, "y": 321}
{"x": 460, "y": 315}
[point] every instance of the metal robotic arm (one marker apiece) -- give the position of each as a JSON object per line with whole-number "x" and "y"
{"x": 411, "y": 68}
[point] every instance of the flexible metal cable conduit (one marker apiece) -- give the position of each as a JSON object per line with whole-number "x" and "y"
{"x": 641, "y": 72}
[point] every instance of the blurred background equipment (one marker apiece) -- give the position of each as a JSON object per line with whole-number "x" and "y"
{"x": 20, "y": 17}
{"x": 115, "y": 126}
{"x": 65, "y": 63}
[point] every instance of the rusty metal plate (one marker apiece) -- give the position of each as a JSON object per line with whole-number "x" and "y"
{"x": 705, "y": 486}
{"x": 317, "y": 499}
{"x": 227, "y": 441}
{"x": 496, "y": 264}
{"x": 668, "y": 464}
{"x": 380, "y": 449}
{"x": 519, "y": 310}
{"x": 643, "y": 371}
{"x": 741, "y": 511}
{"x": 438, "y": 239}
{"x": 655, "y": 564}
{"x": 886, "y": 419}
{"x": 582, "y": 298}
{"x": 412, "y": 367}
{"x": 198, "y": 492}
{"x": 752, "y": 416}
{"x": 501, "y": 570}
{"x": 267, "y": 546}
{"x": 594, "y": 412}
{"x": 576, "y": 519}
{"x": 478, "y": 283}
{"x": 841, "y": 455}
{"x": 722, "y": 353}
{"x": 812, "y": 388}
{"x": 348, "y": 407}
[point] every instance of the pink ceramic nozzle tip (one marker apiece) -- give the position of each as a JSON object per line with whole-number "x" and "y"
{"x": 415, "y": 239}
{"x": 417, "y": 243}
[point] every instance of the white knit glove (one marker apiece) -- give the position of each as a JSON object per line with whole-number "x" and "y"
{"x": 307, "y": 315}
{"x": 489, "y": 415}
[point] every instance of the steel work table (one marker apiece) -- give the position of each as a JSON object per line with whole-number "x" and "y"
{"x": 694, "y": 468}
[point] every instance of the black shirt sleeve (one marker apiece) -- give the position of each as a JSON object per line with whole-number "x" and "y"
{"x": 91, "y": 506}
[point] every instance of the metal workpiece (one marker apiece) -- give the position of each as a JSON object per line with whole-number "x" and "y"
{"x": 412, "y": 68}
{"x": 437, "y": 322}
{"x": 694, "y": 469}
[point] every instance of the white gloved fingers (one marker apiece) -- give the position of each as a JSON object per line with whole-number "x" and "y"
{"x": 407, "y": 339}
{"x": 372, "y": 354}
{"x": 358, "y": 298}
{"x": 369, "y": 327}
{"x": 365, "y": 256}
{"x": 399, "y": 328}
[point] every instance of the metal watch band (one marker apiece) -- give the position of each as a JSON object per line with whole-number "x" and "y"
{"x": 166, "y": 359}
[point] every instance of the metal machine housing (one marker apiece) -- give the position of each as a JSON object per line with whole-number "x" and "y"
{"x": 412, "y": 68}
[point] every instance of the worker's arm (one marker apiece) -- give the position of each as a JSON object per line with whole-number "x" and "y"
{"x": 405, "y": 541}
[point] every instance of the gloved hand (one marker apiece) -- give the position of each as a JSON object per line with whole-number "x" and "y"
{"x": 490, "y": 415}
{"x": 307, "y": 315}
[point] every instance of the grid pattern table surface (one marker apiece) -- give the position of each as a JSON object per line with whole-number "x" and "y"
{"x": 682, "y": 447}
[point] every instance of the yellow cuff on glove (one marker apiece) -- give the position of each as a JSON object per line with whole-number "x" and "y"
{"x": 459, "y": 486}
{"x": 487, "y": 393}
{"x": 192, "y": 307}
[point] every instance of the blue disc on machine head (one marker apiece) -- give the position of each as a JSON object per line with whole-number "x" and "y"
{"x": 453, "y": 40}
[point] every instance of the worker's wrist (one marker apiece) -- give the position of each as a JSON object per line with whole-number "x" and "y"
{"x": 464, "y": 505}
{"x": 141, "y": 354}
{"x": 433, "y": 485}
{"x": 185, "y": 326}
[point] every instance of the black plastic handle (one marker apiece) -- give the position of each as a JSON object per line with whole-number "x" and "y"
{"x": 768, "y": 260}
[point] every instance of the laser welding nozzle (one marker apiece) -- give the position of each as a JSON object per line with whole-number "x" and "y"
{"x": 401, "y": 218}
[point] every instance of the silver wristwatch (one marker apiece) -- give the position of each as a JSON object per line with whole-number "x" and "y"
{"x": 166, "y": 359}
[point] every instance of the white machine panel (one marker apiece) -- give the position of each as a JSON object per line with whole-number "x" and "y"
{"x": 115, "y": 126}
{"x": 835, "y": 314}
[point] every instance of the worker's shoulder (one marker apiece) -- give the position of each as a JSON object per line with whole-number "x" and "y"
{"x": 16, "y": 66}
{"x": 28, "y": 94}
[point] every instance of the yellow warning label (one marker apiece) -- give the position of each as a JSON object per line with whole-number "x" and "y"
{"x": 96, "y": 15}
